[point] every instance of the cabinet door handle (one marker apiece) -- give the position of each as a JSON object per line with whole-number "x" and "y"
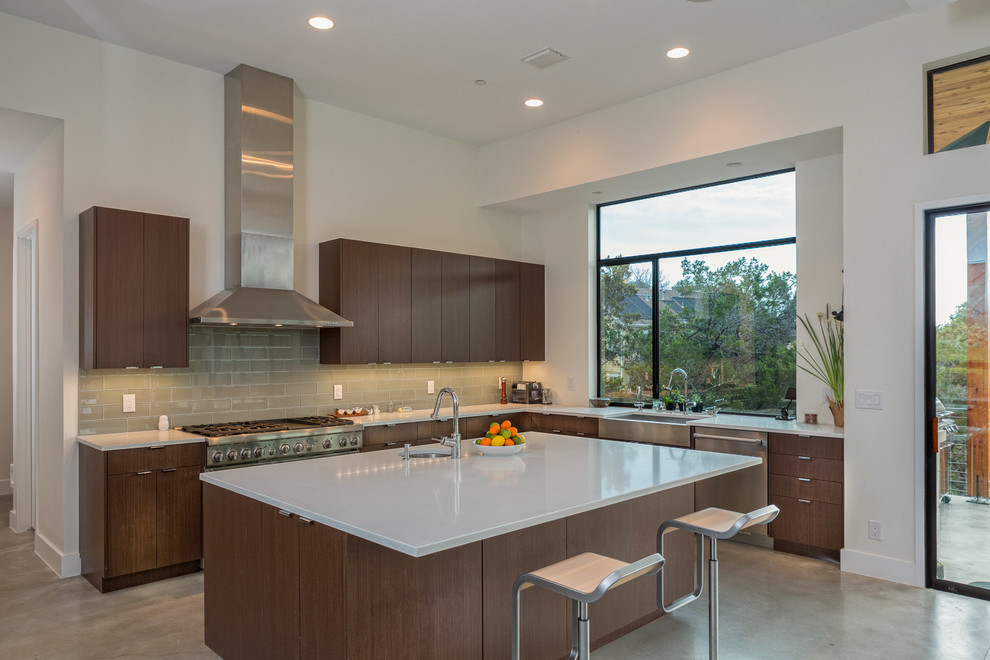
{"x": 804, "y": 436}
{"x": 804, "y": 458}
{"x": 283, "y": 512}
{"x": 170, "y": 469}
{"x": 391, "y": 444}
{"x": 804, "y": 479}
{"x": 581, "y": 434}
{"x": 556, "y": 430}
{"x": 390, "y": 425}
{"x": 306, "y": 521}
{"x": 145, "y": 472}
{"x": 157, "y": 447}
{"x": 804, "y": 501}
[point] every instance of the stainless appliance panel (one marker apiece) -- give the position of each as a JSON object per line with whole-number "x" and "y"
{"x": 742, "y": 490}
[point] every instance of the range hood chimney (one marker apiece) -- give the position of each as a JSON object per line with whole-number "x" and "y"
{"x": 258, "y": 246}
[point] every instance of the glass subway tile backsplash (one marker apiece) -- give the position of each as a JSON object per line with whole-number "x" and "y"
{"x": 240, "y": 374}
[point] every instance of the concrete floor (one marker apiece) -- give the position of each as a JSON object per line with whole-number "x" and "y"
{"x": 773, "y": 606}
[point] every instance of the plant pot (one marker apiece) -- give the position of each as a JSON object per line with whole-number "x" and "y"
{"x": 671, "y": 406}
{"x": 838, "y": 412}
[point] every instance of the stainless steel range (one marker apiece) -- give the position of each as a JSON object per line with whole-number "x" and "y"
{"x": 247, "y": 443}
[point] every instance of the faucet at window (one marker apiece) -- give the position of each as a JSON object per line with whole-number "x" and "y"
{"x": 454, "y": 440}
{"x": 671, "y": 380}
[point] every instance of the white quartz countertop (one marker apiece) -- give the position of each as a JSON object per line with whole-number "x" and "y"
{"x": 138, "y": 439}
{"x": 422, "y": 506}
{"x": 723, "y": 420}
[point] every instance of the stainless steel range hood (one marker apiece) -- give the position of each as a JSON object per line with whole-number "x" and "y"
{"x": 258, "y": 249}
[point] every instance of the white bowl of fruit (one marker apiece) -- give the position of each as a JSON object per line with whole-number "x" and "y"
{"x": 501, "y": 440}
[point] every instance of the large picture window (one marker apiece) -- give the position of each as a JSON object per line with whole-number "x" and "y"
{"x": 701, "y": 280}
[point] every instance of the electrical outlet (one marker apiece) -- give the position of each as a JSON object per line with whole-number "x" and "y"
{"x": 876, "y": 532}
{"x": 130, "y": 403}
{"x": 429, "y": 387}
{"x": 869, "y": 399}
{"x": 570, "y": 383}
{"x": 338, "y": 391}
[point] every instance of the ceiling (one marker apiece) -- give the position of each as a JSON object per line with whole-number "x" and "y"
{"x": 415, "y": 62}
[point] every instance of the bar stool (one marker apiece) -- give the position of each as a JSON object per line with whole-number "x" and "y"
{"x": 716, "y": 524}
{"x": 584, "y": 579}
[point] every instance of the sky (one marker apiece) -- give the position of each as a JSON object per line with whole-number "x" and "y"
{"x": 740, "y": 212}
{"x": 950, "y": 266}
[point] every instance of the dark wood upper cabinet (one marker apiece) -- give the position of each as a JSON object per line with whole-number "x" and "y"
{"x": 394, "y": 304}
{"x": 532, "y": 312}
{"x": 426, "y": 268}
{"x": 507, "y": 310}
{"x": 412, "y": 305}
{"x": 349, "y": 287}
{"x": 455, "y": 293}
{"x": 133, "y": 290}
{"x": 484, "y": 315}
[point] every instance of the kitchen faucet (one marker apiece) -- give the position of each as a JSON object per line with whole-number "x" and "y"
{"x": 454, "y": 440}
{"x": 671, "y": 380}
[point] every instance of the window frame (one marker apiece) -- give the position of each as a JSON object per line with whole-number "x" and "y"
{"x": 654, "y": 258}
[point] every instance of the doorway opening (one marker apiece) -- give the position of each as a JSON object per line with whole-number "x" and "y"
{"x": 23, "y": 516}
{"x": 957, "y": 382}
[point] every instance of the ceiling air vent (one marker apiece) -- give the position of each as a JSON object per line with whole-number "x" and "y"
{"x": 544, "y": 58}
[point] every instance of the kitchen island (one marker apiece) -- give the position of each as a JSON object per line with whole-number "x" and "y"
{"x": 370, "y": 555}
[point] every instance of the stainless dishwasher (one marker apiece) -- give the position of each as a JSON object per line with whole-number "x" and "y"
{"x": 742, "y": 490}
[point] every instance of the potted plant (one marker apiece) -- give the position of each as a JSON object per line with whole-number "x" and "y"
{"x": 696, "y": 405}
{"x": 826, "y": 363}
{"x": 668, "y": 400}
{"x": 679, "y": 401}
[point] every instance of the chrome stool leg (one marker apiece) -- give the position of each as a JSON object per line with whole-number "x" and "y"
{"x": 715, "y": 524}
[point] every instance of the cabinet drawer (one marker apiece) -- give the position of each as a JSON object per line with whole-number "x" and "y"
{"x": 805, "y": 488}
{"x": 807, "y": 522}
{"x": 814, "y": 446}
{"x": 159, "y": 457}
{"x": 437, "y": 428}
{"x": 389, "y": 433}
{"x": 583, "y": 426}
{"x": 807, "y": 467}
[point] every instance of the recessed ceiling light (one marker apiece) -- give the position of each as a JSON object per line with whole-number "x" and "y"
{"x": 321, "y": 22}
{"x": 480, "y": 83}
{"x": 677, "y": 53}
{"x": 534, "y": 103}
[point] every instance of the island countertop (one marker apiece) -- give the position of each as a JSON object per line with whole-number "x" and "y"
{"x": 423, "y": 505}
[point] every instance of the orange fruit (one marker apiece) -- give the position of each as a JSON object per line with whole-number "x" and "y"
{"x": 498, "y": 441}
{"x": 509, "y": 442}
{"x": 506, "y": 424}
{"x": 486, "y": 442}
{"x": 494, "y": 428}
{"x": 513, "y": 432}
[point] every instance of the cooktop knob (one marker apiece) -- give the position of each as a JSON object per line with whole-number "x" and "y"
{"x": 297, "y": 447}
{"x": 327, "y": 444}
{"x": 342, "y": 441}
{"x": 284, "y": 449}
{"x": 259, "y": 452}
{"x": 217, "y": 456}
{"x": 354, "y": 441}
{"x": 245, "y": 453}
{"x": 231, "y": 455}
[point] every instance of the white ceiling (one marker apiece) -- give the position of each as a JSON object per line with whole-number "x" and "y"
{"x": 414, "y": 62}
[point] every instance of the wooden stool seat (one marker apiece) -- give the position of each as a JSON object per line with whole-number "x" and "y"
{"x": 720, "y": 523}
{"x": 584, "y": 579}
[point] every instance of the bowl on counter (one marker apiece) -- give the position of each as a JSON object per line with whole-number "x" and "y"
{"x": 599, "y": 402}
{"x": 499, "y": 451}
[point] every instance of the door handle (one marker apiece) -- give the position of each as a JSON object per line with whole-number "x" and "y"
{"x": 803, "y": 479}
{"x": 706, "y": 436}
{"x": 170, "y": 469}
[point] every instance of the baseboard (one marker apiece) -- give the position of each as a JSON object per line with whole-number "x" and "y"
{"x": 875, "y": 566}
{"x": 64, "y": 565}
{"x": 5, "y": 488}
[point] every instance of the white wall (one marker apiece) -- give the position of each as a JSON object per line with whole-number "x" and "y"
{"x": 818, "y": 188}
{"x": 145, "y": 133}
{"x": 870, "y": 83}
{"x": 6, "y": 350}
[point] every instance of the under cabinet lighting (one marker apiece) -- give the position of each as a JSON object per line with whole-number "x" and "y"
{"x": 321, "y": 22}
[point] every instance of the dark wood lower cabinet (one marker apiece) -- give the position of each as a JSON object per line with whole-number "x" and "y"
{"x": 355, "y": 599}
{"x": 141, "y": 525}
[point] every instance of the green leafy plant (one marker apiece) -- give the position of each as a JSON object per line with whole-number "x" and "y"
{"x": 826, "y": 363}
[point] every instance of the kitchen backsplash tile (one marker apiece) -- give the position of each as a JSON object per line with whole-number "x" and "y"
{"x": 265, "y": 374}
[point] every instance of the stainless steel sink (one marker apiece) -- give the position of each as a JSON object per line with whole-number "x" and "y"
{"x": 426, "y": 452}
{"x": 654, "y": 428}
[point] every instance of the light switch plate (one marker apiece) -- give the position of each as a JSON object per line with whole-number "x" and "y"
{"x": 869, "y": 399}
{"x": 429, "y": 387}
{"x": 130, "y": 403}
{"x": 338, "y": 391}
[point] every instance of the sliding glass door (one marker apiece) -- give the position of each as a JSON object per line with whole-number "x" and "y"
{"x": 957, "y": 380}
